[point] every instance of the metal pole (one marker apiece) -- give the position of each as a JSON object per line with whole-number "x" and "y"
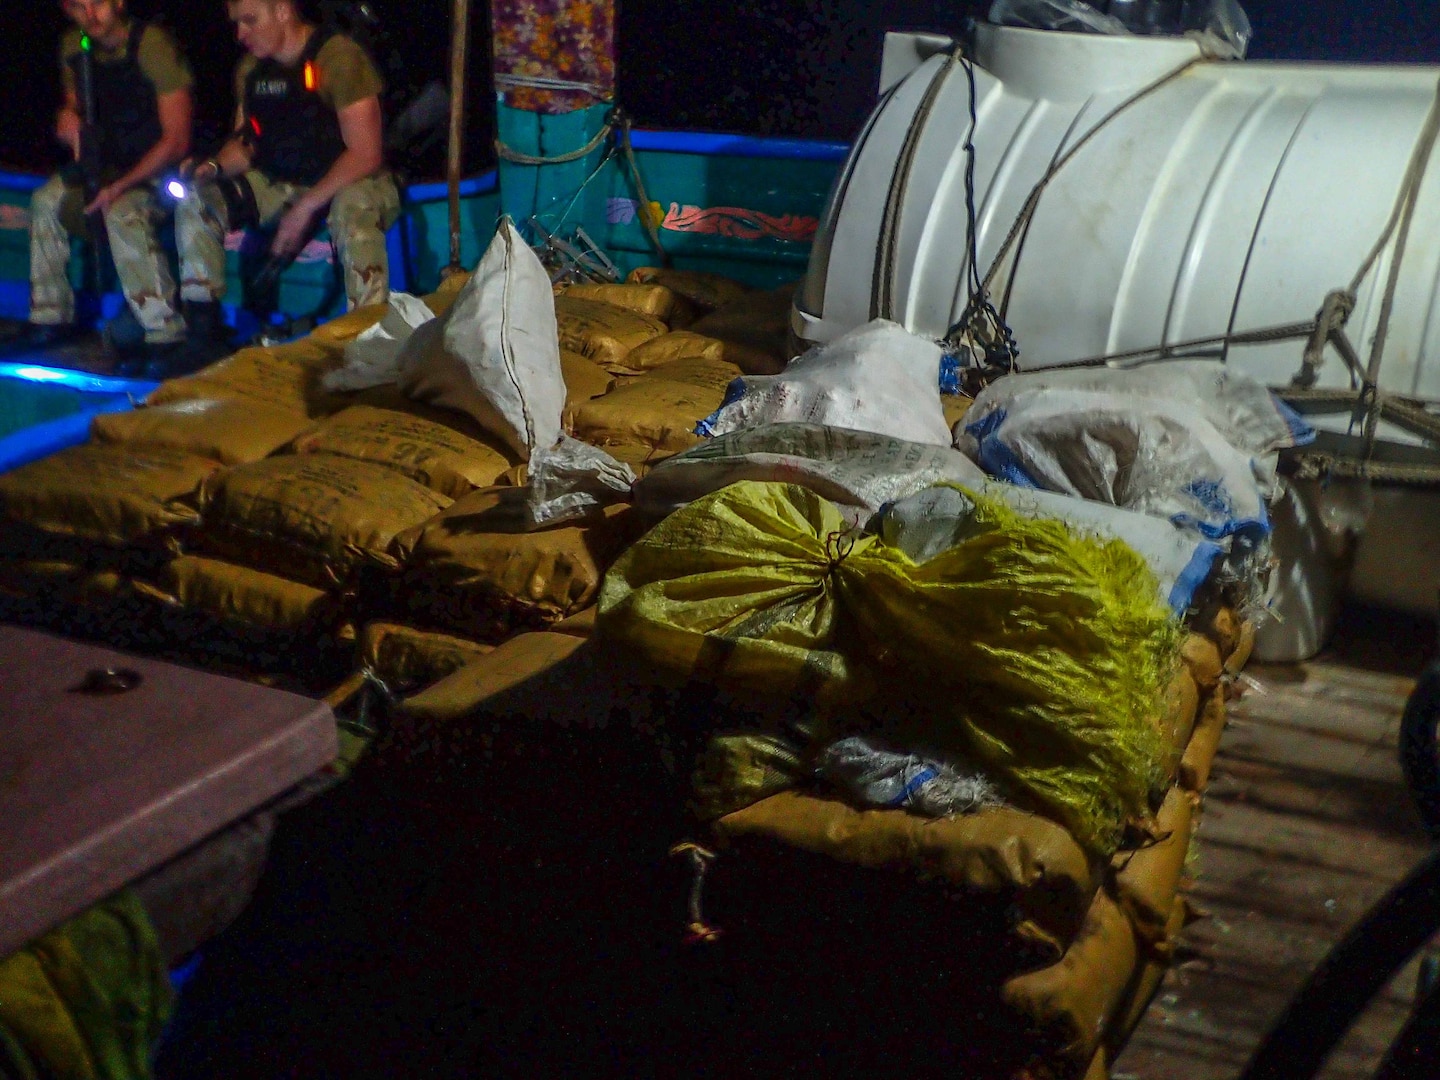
{"x": 459, "y": 45}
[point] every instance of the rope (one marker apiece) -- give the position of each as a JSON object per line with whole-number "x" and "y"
{"x": 697, "y": 930}
{"x": 1321, "y": 466}
{"x": 627, "y": 150}
{"x": 1022, "y": 222}
{"x": 514, "y": 156}
{"x": 543, "y": 82}
{"x": 1409, "y": 196}
{"x": 882, "y": 284}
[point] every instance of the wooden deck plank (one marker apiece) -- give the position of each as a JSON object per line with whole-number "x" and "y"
{"x": 1306, "y": 824}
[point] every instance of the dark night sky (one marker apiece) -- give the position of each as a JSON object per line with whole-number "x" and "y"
{"x": 794, "y": 67}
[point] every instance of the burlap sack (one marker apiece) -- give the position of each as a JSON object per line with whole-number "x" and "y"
{"x": 405, "y": 658}
{"x": 338, "y": 332}
{"x": 584, "y": 379}
{"x": 470, "y": 570}
{"x": 238, "y": 594}
{"x": 454, "y": 457}
{"x": 654, "y": 300}
{"x": 755, "y": 329}
{"x": 1001, "y": 855}
{"x": 468, "y": 689}
{"x": 113, "y": 495}
{"x": 1137, "y": 999}
{"x": 658, "y": 409}
{"x": 232, "y": 430}
{"x": 285, "y": 377}
{"x": 1199, "y": 755}
{"x": 955, "y": 406}
{"x": 1068, "y": 1006}
{"x": 1147, "y": 881}
{"x": 666, "y": 349}
{"x": 602, "y": 332}
{"x": 58, "y": 582}
{"x": 705, "y": 290}
{"x": 1182, "y": 711}
{"x": 317, "y": 518}
{"x": 1202, "y": 657}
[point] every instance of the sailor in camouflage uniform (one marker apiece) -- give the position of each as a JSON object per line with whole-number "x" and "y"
{"x": 143, "y": 110}
{"x": 308, "y": 145}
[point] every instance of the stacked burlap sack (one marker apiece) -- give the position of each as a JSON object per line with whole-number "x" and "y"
{"x": 414, "y": 490}
{"x": 1061, "y": 902}
{"x": 264, "y": 514}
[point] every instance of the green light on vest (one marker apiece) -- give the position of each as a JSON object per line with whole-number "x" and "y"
{"x": 85, "y": 42}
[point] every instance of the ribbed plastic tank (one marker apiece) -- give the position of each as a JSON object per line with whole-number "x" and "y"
{"x": 1231, "y": 197}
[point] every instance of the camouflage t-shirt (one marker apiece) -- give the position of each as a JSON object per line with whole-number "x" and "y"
{"x": 160, "y": 58}
{"x": 344, "y": 74}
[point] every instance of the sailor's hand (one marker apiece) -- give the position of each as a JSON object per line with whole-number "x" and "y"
{"x": 290, "y": 236}
{"x": 104, "y": 199}
{"x": 199, "y": 172}
{"x": 67, "y": 130}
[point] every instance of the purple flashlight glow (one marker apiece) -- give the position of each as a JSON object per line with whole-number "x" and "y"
{"x": 176, "y": 189}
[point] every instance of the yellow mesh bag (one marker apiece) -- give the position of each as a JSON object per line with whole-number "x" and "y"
{"x": 445, "y": 457}
{"x": 658, "y": 409}
{"x": 602, "y": 332}
{"x": 232, "y": 430}
{"x": 1046, "y": 654}
{"x": 316, "y": 518}
{"x": 114, "y": 495}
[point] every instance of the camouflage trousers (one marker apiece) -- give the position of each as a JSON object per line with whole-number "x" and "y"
{"x": 358, "y": 218}
{"x": 57, "y": 213}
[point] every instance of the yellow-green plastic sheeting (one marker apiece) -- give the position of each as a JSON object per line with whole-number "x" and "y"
{"x": 86, "y": 1001}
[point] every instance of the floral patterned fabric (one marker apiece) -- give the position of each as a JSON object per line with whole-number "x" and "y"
{"x": 572, "y": 40}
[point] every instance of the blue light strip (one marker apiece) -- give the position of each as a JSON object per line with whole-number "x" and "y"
{"x": 20, "y": 181}
{"x": 76, "y": 380}
{"x": 483, "y": 184}
{"x": 705, "y": 142}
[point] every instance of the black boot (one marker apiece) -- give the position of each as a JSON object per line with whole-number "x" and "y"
{"x": 205, "y": 321}
{"x": 38, "y": 336}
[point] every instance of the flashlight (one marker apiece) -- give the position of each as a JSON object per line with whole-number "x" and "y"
{"x": 176, "y": 189}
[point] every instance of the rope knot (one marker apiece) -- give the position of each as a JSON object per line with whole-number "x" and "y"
{"x": 838, "y": 546}
{"x": 697, "y": 930}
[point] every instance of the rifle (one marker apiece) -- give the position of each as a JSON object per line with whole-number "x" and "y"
{"x": 89, "y": 161}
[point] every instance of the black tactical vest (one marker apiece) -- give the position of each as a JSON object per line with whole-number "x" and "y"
{"x": 296, "y": 135}
{"x": 127, "y": 113}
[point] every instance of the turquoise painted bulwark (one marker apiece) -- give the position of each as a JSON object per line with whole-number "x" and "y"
{"x": 736, "y": 205}
{"x": 747, "y": 207}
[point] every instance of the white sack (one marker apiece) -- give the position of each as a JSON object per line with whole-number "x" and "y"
{"x": 879, "y": 378}
{"x": 1187, "y": 441}
{"x": 495, "y": 354}
{"x": 373, "y": 358}
{"x": 936, "y": 519}
{"x": 573, "y": 479}
{"x": 852, "y": 468}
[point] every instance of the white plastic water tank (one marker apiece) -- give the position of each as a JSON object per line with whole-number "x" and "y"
{"x": 1232, "y": 198}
